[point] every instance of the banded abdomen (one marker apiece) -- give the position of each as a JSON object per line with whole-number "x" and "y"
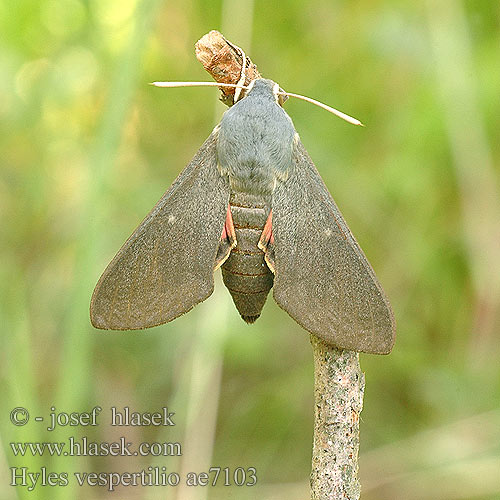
{"x": 245, "y": 272}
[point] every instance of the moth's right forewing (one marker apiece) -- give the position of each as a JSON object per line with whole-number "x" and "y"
{"x": 166, "y": 266}
{"x": 322, "y": 278}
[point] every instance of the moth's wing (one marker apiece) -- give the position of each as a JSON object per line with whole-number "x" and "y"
{"x": 322, "y": 278}
{"x": 166, "y": 266}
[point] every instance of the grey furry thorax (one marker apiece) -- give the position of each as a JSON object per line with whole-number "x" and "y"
{"x": 255, "y": 141}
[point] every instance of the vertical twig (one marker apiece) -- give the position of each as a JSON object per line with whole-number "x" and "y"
{"x": 338, "y": 401}
{"x": 338, "y": 380}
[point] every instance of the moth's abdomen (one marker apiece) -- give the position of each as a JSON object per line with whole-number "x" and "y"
{"x": 245, "y": 272}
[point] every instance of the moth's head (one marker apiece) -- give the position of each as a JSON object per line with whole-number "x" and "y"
{"x": 263, "y": 87}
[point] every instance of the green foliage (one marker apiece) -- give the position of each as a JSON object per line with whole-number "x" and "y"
{"x": 88, "y": 147}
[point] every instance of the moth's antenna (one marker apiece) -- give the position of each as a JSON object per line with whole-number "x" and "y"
{"x": 238, "y": 85}
{"x": 197, "y": 84}
{"x": 336, "y": 112}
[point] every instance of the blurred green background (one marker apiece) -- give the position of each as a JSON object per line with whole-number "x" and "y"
{"x": 87, "y": 148}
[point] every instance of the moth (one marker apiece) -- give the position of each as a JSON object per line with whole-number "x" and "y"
{"x": 251, "y": 202}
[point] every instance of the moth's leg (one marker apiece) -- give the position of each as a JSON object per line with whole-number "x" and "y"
{"x": 267, "y": 233}
{"x": 227, "y": 240}
{"x": 228, "y": 229}
{"x": 266, "y": 242}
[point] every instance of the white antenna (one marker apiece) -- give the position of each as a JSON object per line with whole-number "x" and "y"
{"x": 195, "y": 84}
{"x": 336, "y": 112}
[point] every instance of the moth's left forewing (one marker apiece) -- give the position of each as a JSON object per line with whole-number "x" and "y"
{"x": 166, "y": 266}
{"x": 322, "y": 277}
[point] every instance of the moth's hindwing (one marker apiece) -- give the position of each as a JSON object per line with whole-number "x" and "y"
{"x": 166, "y": 266}
{"x": 322, "y": 278}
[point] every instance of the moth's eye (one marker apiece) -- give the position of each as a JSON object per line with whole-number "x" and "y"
{"x": 281, "y": 99}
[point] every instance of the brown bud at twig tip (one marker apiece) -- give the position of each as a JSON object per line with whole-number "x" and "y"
{"x": 226, "y": 62}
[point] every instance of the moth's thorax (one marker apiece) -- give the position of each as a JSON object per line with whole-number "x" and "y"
{"x": 255, "y": 141}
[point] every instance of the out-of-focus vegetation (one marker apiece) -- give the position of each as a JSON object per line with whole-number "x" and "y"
{"x": 87, "y": 148}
